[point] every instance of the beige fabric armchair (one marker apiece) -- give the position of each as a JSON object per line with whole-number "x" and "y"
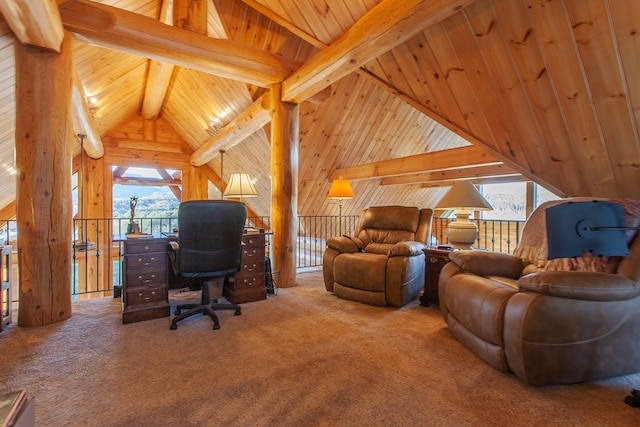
{"x": 560, "y": 321}
{"x": 383, "y": 264}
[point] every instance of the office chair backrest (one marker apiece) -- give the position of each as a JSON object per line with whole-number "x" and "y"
{"x": 210, "y": 237}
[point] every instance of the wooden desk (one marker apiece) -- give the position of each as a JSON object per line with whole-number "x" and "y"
{"x": 435, "y": 259}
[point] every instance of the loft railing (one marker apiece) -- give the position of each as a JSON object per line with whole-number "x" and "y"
{"x": 97, "y": 254}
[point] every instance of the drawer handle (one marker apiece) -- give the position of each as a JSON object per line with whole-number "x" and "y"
{"x": 146, "y": 247}
{"x": 146, "y": 263}
{"x": 250, "y": 282}
{"x": 253, "y": 267}
{"x": 153, "y": 276}
{"x": 141, "y": 295}
{"x": 251, "y": 254}
{"x": 433, "y": 260}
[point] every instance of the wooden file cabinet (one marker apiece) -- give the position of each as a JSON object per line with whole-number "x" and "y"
{"x": 145, "y": 292}
{"x": 435, "y": 259}
{"x": 6, "y": 292}
{"x": 249, "y": 282}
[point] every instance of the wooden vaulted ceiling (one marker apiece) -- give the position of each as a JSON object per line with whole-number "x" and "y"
{"x": 545, "y": 90}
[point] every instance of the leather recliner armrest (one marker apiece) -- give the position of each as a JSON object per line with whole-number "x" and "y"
{"x": 580, "y": 285}
{"x": 482, "y": 263}
{"x": 407, "y": 248}
{"x": 344, "y": 244}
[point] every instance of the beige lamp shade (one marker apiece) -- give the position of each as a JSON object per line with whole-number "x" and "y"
{"x": 463, "y": 197}
{"x": 240, "y": 185}
{"x": 340, "y": 189}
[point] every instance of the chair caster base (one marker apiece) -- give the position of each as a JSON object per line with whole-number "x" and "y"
{"x": 173, "y": 326}
{"x": 237, "y": 313}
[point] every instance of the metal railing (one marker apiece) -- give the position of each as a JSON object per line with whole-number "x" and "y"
{"x": 97, "y": 252}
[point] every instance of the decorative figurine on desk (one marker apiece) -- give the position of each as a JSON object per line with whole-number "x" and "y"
{"x": 132, "y": 227}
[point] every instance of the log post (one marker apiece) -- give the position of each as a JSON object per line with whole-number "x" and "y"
{"x": 44, "y": 133}
{"x": 284, "y": 186}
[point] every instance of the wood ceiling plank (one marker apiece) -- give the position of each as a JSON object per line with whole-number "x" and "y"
{"x": 508, "y": 88}
{"x": 560, "y": 54}
{"x": 527, "y": 57}
{"x": 601, "y": 61}
{"x": 485, "y": 90}
{"x": 382, "y": 28}
{"x": 456, "y": 80}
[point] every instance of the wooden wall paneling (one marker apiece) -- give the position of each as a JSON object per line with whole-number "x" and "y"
{"x": 435, "y": 96}
{"x": 485, "y": 90}
{"x": 524, "y": 131}
{"x": 559, "y": 51}
{"x": 402, "y": 71}
{"x": 594, "y": 39}
{"x": 456, "y": 80}
{"x": 527, "y": 56}
{"x": 625, "y": 15}
{"x": 98, "y": 268}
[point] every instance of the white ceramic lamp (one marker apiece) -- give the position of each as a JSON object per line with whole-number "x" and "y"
{"x": 463, "y": 197}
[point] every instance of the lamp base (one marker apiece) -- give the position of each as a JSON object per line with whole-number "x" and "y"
{"x": 462, "y": 233}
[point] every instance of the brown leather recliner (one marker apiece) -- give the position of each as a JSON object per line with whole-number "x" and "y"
{"x": 559, "y": 321}
{"x": 383, "y": 264}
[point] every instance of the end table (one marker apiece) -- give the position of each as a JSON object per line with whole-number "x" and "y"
{"x": 435, "y": 259}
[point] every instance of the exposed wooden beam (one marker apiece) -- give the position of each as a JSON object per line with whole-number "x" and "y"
{"x": 138, "y": 157}
{"x": 34, "y": 22}
{"x": 434, "y": 161}
{"x": 246, "y": 124}
{"x": 129, "y": 32}
{"x": 175, "y": 189}
{"x": 159, "y": 75}
{"x": 478, "y": 181}
{"x": 469, "y": 173}
{"x": 142, "y": 181}
{"x": 385, "y": 26}
{"x": 7, "y": 212}
{"x": 83, "y": 120}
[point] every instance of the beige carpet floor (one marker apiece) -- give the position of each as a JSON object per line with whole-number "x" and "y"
{"x": 300, "y": 358}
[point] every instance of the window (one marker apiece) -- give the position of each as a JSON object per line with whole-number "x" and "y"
{"x": 509, "y": 200}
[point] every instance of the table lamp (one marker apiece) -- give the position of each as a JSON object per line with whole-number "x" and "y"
{"x": 340, "y": 190}
{"x": 463, "y": 197}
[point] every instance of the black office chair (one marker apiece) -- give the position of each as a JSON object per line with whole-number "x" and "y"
{"x": 209, "y": 246}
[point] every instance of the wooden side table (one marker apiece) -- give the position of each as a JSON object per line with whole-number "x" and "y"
{"x": 435, "y": 259}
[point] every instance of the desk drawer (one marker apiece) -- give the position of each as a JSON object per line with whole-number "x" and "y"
{"x": 251, "y": 267}
{"x": 146, "y": 278}
{"x": 151, "y": 295}
{"x": 146, "y": 262}
{"x": 141, "y": 247}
